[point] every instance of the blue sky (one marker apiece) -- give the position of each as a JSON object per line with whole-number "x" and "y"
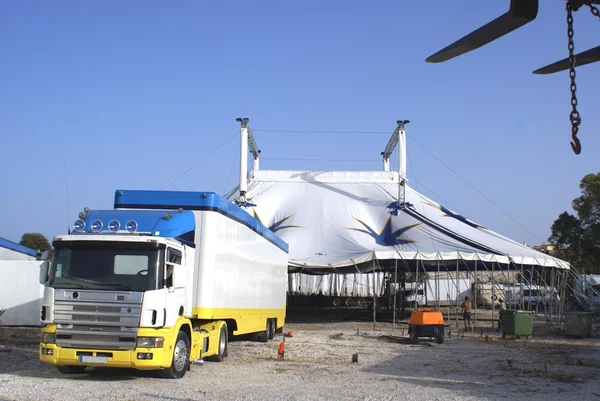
{"x": 95, "y": 97}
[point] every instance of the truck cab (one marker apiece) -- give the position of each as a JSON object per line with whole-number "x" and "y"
{"x": 115, "y": 293}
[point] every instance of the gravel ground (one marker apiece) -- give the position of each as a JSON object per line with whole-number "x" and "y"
{"x": 318, "y": 365}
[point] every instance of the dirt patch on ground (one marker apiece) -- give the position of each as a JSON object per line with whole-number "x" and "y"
{"x": 19, "y": 336}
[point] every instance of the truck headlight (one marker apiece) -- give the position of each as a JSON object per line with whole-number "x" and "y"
{"x": 48, "y": 338}
{"x": 150, "y": 342}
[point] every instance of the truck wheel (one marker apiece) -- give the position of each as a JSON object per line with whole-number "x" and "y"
{"x": 71, "y": 369}
{"x": 440, "y": 338}
{"x": 222, "y": 350}
{"x": 181, "y": 357}
{"x": 337, "y": 302}
{"x": 272, "y": 328}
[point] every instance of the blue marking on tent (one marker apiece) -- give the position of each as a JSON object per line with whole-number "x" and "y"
{"x": 278, "y": 224}
{"x": 457, "y": 216}
{"x": 386, "y": 237}
{"x": 449, "y": 213}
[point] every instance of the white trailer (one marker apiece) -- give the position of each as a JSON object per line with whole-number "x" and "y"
{"x": 431, "y": 292}
{"x": 530, "y": 296}
{"x": 164, "y": 279}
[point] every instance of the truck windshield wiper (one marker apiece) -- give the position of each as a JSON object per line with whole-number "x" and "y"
{"x": 115, "y": 286}
{"x": 69, "y": 285}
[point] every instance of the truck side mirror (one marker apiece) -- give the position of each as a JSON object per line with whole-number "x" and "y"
{"x": 179, "y": 276}
{"x": 44, "y": 267}
{"x": 45, "y": 255}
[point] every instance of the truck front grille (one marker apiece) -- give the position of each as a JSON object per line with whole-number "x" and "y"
{"x": 96, "y": 320}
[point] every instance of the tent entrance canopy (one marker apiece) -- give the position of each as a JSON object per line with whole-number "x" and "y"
{"x": 344, "y": 221}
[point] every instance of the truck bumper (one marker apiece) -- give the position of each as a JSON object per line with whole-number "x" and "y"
{"x": 138, "y": 358}
{"x": 153, "y": 358}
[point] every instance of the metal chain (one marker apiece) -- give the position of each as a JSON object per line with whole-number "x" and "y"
{"x": 574, "y": 116}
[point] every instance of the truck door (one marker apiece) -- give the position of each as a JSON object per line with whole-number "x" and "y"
{"x": 175, "y": 276}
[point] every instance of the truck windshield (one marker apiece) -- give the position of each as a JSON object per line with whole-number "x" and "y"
{"x": 128, "y": 266}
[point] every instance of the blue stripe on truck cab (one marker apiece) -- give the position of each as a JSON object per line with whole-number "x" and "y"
{"x": 200, "y": 201}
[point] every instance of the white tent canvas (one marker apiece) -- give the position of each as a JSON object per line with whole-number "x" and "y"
{"x": 345, "y": 221}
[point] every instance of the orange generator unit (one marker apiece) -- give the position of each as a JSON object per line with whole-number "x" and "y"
{"x": 426, "y": 323}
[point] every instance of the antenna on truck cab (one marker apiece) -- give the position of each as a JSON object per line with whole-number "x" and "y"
{"x": 246, "y": 142}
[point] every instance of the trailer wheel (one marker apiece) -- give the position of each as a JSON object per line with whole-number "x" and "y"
{"x": 272, "y": 327}
{"x": 181, "y": 357}
{"x": 440, "y": 338}
{"x": 71, "y": 369}
{"x": 337, "y": 302}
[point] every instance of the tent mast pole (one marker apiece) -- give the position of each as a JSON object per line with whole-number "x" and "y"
{"x": 243, "y": 158}
{"x": 402, "y": 162}
{"x": 246, "y": 142}
{"x": 398, "y": 137}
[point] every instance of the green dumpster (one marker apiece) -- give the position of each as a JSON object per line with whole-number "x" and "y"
{"x": 516, "y": 323}
{"x": 578, "y": 324}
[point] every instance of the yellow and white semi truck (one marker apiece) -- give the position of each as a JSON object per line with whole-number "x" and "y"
{"x": 162, "y": 280}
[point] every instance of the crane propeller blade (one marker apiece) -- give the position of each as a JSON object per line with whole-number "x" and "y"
{"x": 520, "y": 13}
{"x": 583, "y": 58}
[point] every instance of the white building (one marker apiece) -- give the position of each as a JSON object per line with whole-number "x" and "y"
{"x": 20, "y": 290}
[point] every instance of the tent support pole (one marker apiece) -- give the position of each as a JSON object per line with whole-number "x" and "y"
{"x": 475, "y": 294}
{"x": 522, "y": 293}
{"x": 395, "y": 291}
{"x": 493, "y": 294}
{"x": 374, "y": 296}
{"x": 530, "y": 284}
{"x": 437, "y": 284}
{"x": 457, "y": 293}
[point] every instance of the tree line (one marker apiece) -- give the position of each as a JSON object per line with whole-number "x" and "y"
{"x": 577, "y": 236}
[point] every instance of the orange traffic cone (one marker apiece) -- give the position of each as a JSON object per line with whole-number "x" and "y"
{"x": 281, "y": 350}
